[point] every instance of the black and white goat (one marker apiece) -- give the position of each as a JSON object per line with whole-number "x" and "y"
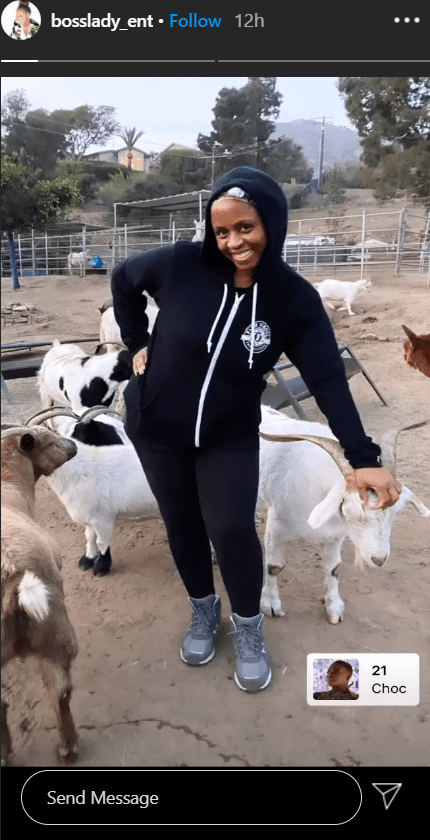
{"x": 106, "y": 481}
{"x": 69, "y": 376}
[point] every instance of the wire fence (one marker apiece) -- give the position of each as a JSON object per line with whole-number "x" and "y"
{"x": 397, "y": 241}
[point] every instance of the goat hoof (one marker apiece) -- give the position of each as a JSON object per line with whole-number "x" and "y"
{"x": 101, "y": 569}
{"x": 66, "y": 755}
{"x": 103, "y": 563}
{"x": 86, "y": 563}
{"x": 334, "y": 617}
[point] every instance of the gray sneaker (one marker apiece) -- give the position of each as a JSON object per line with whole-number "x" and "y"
{"x": 198, "y": 643}
{"x": 252, "y": 663}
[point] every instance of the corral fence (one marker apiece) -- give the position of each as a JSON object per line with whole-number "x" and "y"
{"x": 398, "y": 240}
{"x": 395, "y": 241}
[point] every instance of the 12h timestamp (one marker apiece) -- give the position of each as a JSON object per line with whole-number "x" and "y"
{"x": 253, "y": 20}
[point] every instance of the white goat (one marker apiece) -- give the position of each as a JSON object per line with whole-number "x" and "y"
{"x": 105, "y": 481}
{"x": 110, "y": 333}
{"x": 34, "y": 619}
{"x": 71, "y": 377}
{"x": 303, "y": 488}
{"x": 200, "y": 231}
{"x": 341, "y": 290}
{"x": 78, "y": 260}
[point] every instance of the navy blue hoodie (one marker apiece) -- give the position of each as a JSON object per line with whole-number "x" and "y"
{"x": 212, "y": 344}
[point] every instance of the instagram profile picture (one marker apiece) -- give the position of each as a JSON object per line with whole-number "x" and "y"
{"x": 21, "y": 20}
{"x": 340, "y": 676}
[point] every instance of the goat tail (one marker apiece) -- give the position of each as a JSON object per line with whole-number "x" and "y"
{"x": 33, "y": 596}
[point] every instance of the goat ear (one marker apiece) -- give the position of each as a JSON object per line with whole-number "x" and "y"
{"x": 27, "y": 442}
{"x": 329, "y": 506}
{"x": 422, "y": 509}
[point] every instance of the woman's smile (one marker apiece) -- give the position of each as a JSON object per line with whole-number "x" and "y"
{"x": 239, "y": 232}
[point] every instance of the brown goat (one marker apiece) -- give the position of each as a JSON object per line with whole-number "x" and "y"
{"x": 417, "y": 351}
{"x": 33, "y": 614}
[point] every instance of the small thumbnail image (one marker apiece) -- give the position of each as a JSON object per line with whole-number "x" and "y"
{"x": 335, "y": 679}
{"x": 21, "y": 20}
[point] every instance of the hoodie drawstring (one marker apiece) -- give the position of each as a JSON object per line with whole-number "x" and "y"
{"x": 254, "y": 306}
{"x": 209, "y": 341}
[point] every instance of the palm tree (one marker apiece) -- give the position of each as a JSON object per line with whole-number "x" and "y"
{"x": 130, "y": 137}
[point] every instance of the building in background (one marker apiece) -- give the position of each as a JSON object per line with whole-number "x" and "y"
{"x": 139, "y": 160}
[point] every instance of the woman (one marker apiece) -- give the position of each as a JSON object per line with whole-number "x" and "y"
{"x": 228, "y": 308}
{"x": 24, "y": 26}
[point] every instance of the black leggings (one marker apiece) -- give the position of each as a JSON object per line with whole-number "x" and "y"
{"x": 210, "y": 495}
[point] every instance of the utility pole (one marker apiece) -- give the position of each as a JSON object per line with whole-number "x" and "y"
{"x": 321, "y": 156}
{"x": 320, "y": 164}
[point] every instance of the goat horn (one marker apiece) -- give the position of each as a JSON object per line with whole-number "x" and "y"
{"x": 90, "y": 413}
{"x": 15, "y": 430}
{"x": 408, "y": 332}
{"x": 333, "y": 447}
{"x": 46, "y": 413}
{"x": 388, "y": 445}
{"x": 117, "y": 343}
{"x": 106, "y": 305}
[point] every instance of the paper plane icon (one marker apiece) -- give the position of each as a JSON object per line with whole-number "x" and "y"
{"x": 388, "y": 792}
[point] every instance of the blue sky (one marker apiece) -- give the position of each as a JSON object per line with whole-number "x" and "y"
{"x": 175, "y": 109}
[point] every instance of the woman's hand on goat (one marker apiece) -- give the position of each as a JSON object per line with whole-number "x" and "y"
{"x": 377, "y": 479}
{"x": 140, "y": 360}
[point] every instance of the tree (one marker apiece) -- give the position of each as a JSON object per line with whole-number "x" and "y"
{"x": 37, "y": 136}
{"x": 88, "y": 126}
{"x": 14, "y": 107}
{"x": 242, "y": 121}
{"x": 40, "y": 139}
{"x": 184, "y": 169}
{"x": 243, "y": 124}
{"x": 284, "y": 159}
{"x": 392, "y": 117}
{"x": 334, "y": 186}
{"x": 27, "y": 201}
{"x": 46, "y": 136}
{"x": 130, "y": 137}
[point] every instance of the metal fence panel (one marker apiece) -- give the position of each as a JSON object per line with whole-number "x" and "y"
{"x": 338, "y": 245}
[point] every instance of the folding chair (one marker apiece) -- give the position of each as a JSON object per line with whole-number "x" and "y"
{"x": 293, "y": 391}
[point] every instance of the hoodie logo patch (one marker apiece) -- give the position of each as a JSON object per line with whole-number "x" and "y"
{"x": 261, "y": 336}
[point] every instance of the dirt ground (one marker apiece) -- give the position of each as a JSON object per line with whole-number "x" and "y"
{"x": 135, "y": 703}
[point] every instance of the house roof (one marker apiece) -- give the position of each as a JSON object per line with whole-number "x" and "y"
{"x": 135, "y": 149}
{"x": 116, "y": 151}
